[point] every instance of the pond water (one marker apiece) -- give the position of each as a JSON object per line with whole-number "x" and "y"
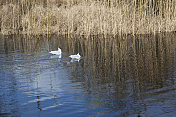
{"x": 125, "y": 76}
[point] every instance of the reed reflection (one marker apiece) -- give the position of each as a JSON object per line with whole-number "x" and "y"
{"x": 118, "y": 73}
{"x": 143, "y": 59}
{"x": 126, "y": 68}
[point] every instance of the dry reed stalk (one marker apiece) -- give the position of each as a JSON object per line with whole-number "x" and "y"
{"x": 89, "y": 17}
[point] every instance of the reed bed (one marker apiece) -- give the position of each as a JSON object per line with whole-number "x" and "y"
{"x": 87, "y": 17}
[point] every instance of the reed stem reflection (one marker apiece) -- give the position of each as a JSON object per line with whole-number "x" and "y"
{"x": 114, "y": 72}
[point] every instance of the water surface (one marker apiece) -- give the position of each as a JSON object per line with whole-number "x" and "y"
{"x": 122, "y": 76}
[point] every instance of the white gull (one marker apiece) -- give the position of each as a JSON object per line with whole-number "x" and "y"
{"x": 57, "y": 52}
{"x": 77, "y": 56}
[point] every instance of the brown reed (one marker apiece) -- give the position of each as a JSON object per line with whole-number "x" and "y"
{"x": 87, "y": 17}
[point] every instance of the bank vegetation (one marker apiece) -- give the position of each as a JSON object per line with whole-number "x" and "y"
{"x": 87, "y": 17}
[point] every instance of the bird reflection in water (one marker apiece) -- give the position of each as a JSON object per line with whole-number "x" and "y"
{"x": 38, "y": 103}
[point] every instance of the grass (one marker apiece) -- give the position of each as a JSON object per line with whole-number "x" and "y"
{"x": 89, "y": 17}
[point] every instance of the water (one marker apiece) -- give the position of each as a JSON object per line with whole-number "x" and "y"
{"x": 125, "y": 76}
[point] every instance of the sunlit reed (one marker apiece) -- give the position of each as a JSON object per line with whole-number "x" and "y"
{"x": 87, "y": 17}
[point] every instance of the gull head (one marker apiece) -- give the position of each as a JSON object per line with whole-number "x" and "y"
{"x": 78, "y": 54}
{"x": 59, "y": 50}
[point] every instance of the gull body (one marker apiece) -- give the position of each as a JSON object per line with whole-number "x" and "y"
{"x": 77, "y": 56}
{"x": 57, "y": 52}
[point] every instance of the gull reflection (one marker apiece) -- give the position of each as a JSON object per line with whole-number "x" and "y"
{"x": 74, "y": 60}
{"x": 56, "y": 56}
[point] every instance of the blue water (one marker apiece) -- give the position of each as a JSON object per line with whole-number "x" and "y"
{"x": 139, "y": 80}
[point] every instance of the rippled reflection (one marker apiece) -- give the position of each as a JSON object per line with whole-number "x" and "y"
{"x": 122, "y": 76}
